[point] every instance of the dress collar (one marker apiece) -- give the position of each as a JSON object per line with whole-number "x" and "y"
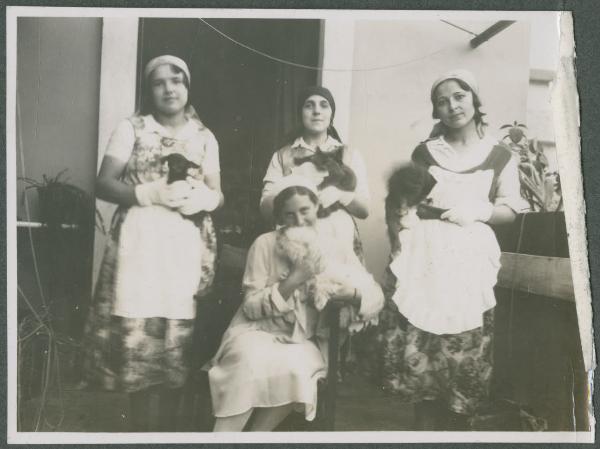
{"x": 182, "y": 133}
{"x": 330, "y": 144}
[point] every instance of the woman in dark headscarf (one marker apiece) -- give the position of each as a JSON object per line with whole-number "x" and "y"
{"x": 317, "y": 133}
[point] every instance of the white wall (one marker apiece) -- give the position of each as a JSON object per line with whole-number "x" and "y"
{"x": 391, "y": 110}
{"x": 58, "y": 74}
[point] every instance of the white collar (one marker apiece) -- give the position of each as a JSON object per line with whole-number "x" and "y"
{"x": 329, "y": 144}
{"x": 182, "y": 133}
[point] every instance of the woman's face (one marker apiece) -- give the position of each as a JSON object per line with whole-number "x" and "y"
{"x": 316, "y": 114}
{"x": 169, "y": 92}
{"x": 454, "y": 105}
{"x": 299, "y": 210}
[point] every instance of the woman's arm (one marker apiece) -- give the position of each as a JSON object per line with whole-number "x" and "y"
{"x": 358, "y": 207}
{"x": 508, "y": 201}
{"x": 273, "y": 174}
{"x": 263, "y": 296}
{"x": 213, "y": 182}
{"x": 365, "y": 294}
{"x": 502, "y": 214}
{"x": 109, "y": 186}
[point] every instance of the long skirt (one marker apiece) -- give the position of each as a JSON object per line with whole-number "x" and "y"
{"x": 420, "y": 366}
{"x": 132, "y": 354}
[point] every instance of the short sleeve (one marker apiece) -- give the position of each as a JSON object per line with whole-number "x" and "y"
{"x": 211, "y": 164}
{"x": 121, "y": 142}
{"x": 273, "y": 174}
{"x": 508, "y": 192}
{"x": 360, "y": 170}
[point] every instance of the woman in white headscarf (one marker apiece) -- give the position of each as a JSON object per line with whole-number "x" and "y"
{"x": 161, "y": 249}
{"x": 437, "y": 326}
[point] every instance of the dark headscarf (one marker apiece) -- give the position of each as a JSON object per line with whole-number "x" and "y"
{"x": 316, "y": 90}
{"x": 309, "y": 91}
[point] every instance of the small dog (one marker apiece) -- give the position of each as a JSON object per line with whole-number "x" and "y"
{"x": 179, "y": 167}
{"x": 302, "y": 245}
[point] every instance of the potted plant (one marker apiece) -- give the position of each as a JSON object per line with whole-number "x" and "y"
{"x": 49, "y": 326}
{"x": 63, "y": 203}
{"x": 539, "y": 186}
{"x": 535, "y": 294}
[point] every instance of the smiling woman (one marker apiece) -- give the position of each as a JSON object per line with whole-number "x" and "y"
{"x": 440, "y": 308}
{"x": 161, "y": 252}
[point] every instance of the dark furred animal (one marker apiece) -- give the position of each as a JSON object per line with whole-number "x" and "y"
{"x": 409, "y": 186}
{"x": 178, "y": 167}
{"x": 339, "y": 174}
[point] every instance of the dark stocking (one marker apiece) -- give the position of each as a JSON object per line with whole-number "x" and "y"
{"x": 428, "y": 415}
{"x": 456, "y": 421}
{"x": 139, "y": 403}
{"x": 168, "y": 414}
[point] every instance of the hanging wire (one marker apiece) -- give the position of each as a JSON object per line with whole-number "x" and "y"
{"x": 52, "y": 354}
{"x": 459, "y": 27}
{"x": 323, "y": 69}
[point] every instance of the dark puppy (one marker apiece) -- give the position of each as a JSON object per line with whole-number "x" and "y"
{"x": 178, "y": 171}
{"x": 178, "y": 167}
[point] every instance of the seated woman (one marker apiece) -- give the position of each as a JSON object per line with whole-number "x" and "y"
{"x": 270, "y": 360}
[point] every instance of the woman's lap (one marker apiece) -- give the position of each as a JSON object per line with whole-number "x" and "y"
{"x": 256, "y": 370}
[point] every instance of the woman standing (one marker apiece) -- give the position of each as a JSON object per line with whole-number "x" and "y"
{"x": 437, "y": 326}
{"x": 161, "y": 248}
{"x": 316, "y": 132}
{"x": 269, "y": 359}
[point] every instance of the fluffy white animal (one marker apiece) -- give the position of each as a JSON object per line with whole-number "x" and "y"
{"x": 303, "y": 245}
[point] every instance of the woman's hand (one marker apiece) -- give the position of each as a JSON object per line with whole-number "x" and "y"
{"x": 160, "y": 193}
{"x": 346, "y": 294}
{"x": 199, "y": 198}
{"x": 299, "y": 275}
{"x": 468, "y": 213}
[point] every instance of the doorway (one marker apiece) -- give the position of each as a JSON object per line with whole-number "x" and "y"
{"x": 245, "y": 98}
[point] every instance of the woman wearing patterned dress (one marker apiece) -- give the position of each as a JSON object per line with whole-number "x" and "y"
{"x": 436, "y": 329}
{"x": 161, "y": 249}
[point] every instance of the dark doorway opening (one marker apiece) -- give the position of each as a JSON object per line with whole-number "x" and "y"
{"x": 246, "y": 99}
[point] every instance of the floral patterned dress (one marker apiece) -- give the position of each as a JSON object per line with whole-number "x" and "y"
{"x": 156, "y": 262}
{"x": 435, "y": 335}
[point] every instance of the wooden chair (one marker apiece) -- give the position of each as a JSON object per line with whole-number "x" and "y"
{"x": 327, "y": 394}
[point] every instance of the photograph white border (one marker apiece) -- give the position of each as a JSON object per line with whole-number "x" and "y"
{"x": 566, "y": 119}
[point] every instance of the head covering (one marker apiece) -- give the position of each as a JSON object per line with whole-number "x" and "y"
{"x": 167, "y": 59}
{"x": 285, "y": 182}
{"x": 317, "y": 90}
{"x": 457, "y": 74}
{"x": 469, "y": 79}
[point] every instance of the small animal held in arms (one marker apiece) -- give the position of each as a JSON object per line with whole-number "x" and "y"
{"x": 408, "y": 188}
{"x": 179, "y": 167}
{"x": 303, "y": 246}
{"x": 179, "y": 170}
{"x": 338, "y": 174}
